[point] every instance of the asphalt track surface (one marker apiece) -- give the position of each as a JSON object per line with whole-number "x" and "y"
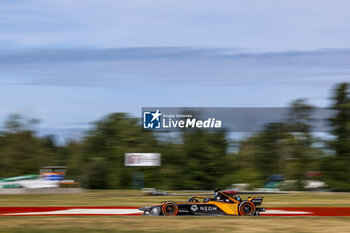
{"x": 133, "y": 211}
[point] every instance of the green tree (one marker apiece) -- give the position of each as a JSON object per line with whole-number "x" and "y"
{"x": 204, "y": 160}
{"x": 341, "y": 121}
{"x": 280, "y": 148}
{"x": 337, "y": 168}
{"x": 301, "y": 156}
{"x": 270, "y": 147}
{"x": 21, "y": 151}
{"x": 105, "y": 146}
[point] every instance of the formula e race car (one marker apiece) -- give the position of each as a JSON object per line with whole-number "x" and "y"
{"x": 223, "y": 203}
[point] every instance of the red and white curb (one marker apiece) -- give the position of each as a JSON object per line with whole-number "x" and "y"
{"x": 83, "y": 212}
{"x": 130, "y": 211}
{"x": 307, "y": 211}
{"x": 73, "y": 211}
{"x": 284, "y": 212}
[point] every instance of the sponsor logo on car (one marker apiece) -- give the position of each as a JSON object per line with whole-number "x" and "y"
{"x": 194, "y": 208}
{"x": 204, "y": 208}
{"x": 208, "y": 208}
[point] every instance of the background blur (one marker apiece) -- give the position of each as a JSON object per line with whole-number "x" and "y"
{"x": 75, "y": 74}
{"x": 283, "y": 151}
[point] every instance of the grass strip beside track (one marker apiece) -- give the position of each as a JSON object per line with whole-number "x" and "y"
{"x": 134, "y": 198}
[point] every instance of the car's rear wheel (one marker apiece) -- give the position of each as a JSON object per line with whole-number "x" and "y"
{"x": 170, "y": 209}
{"x": 246, "y": 208}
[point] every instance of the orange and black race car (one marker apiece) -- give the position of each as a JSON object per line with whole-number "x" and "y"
{"x": 223, "y": 203}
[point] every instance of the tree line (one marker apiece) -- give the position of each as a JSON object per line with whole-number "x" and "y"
{"x": 195, "y": 159}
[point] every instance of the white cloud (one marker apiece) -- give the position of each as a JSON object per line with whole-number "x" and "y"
{"x": 178, "y": 66}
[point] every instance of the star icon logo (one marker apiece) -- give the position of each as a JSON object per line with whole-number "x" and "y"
{"x": 152, "y": 119}
{"x": 156, "y": 115}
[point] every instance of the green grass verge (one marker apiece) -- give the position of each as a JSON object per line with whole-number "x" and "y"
{"x": 173, "y": 224}
{"x": 135, "y": 198}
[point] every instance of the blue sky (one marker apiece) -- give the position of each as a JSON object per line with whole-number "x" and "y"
{"x": 71, "y": 62}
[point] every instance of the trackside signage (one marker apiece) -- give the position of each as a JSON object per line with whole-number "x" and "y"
{"x": 142, "y": 159}
{"x": 168, "y": 119}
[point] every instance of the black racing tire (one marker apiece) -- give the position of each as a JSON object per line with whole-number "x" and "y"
{"x": 246, "y": 208}
{"x": 170, "y": 208}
